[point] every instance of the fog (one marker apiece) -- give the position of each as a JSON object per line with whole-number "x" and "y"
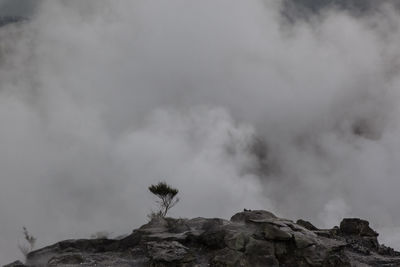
{"x": 25, "y": 8}
{"x": 229, "y": 101}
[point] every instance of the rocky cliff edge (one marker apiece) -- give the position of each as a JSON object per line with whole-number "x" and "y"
{"x": 249, "y": 238}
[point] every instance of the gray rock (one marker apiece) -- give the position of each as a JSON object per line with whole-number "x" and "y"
{"x": 307, "y": 225}
{"x": 250, "y": 239}
{"x": 15, "y": 264}
{"x": 166, "y": 251}
{"x": 260, "y": 253}
{"x": 236, "y": 241}
{"x": 272, "y": 232}
{"x": 355, "y": 226}
{"x": 302, "y": 241}
{"x": 77, "y": 259}
{"x": 229, "y": 258}
{"x": 248, "y": 215}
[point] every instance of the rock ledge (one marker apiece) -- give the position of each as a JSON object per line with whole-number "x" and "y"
{"x": 250, "y": 238}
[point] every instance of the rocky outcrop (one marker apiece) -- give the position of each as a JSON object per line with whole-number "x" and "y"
{"x": 358, "y": 227}
{"x": 250, "y": 238}
{"x": 15, "y": 264}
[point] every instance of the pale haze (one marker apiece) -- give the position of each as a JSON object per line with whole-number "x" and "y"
{"x": 228, "y": 100}
{"x": 25, "y": 8}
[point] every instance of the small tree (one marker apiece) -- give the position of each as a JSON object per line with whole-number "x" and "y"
{"x": 30, "y": 239}
{"x": 166, "y": 194}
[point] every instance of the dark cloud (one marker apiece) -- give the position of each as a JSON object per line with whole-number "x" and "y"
{"x": 23, "y": 8}
{"x": 294, "y": 10}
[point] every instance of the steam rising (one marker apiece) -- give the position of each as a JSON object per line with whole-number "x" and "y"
{"x": 225, "y": 100}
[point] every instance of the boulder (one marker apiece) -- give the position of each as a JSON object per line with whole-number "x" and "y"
{"x": 303, "y": 241}
{"x": 355, "y": 226}
{"x": 247, "y": 216}
{"x": 272, "y": 232}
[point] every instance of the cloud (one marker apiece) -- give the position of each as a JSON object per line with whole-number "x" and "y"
{"x": 23, "y": 8}
{"x": 225, "y": 100}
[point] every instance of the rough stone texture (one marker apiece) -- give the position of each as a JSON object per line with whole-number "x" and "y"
{"x": 307, "y": 225}
{"x": 15, "y": 264}
{"x": 250, "y": 238}
{"x": 168, "y": 251}
{"x": 248, "y": 215}
{"x": 355, "y": 226}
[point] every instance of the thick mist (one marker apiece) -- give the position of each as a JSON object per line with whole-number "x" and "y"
{"x": 24, "y": 8}
{"x": 229, "y": 101}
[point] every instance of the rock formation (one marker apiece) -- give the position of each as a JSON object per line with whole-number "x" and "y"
{"x": 250, "y": 238}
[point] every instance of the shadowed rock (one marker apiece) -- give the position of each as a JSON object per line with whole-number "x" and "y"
{"x": 355, "y": 226}
{"x": 251, "y": 238}
{"x": 248, "y": 215}
{"x": 15, "y": 264}
{"x": 307, "y": 225}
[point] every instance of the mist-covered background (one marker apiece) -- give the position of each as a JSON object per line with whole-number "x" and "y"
{"x": 22, "y": 8}
{"x": 288, "y": 106}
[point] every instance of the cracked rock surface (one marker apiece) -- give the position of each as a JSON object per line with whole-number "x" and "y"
{"x": 250, "y": 238}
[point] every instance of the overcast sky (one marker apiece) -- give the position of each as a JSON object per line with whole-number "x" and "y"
{"x": 17, "y": 7}
{"x": 226, "y": 100}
